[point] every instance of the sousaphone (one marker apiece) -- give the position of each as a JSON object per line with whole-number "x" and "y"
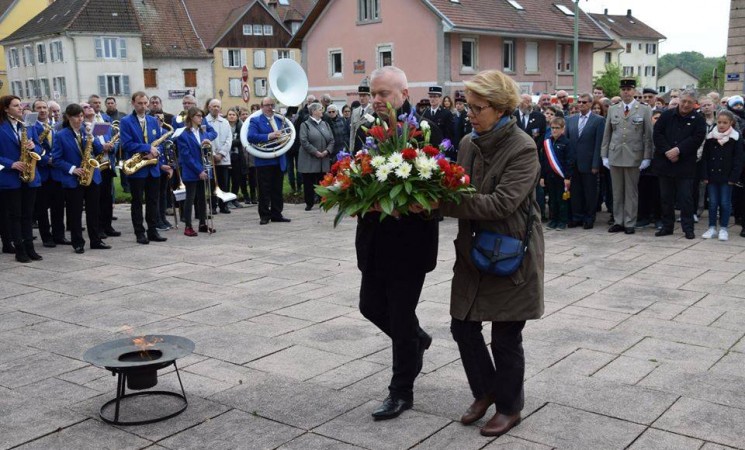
{"x": 289, "y": 85}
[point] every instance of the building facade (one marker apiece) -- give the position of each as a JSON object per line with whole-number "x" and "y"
{"x": 735, "y": 69}
{"x": 677, "y": 78}
{"x": 13, "y": 14}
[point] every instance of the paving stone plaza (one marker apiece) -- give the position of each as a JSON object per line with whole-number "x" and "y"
{"x": 641, "y": 345}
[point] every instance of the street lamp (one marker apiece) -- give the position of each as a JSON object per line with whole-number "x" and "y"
{"x": 575, "y": 57}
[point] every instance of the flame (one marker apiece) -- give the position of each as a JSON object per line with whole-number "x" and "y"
{"x": 142, "y": 343}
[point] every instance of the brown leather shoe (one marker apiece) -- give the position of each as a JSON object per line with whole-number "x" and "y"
{"x": 500, "y": 424}
{"x": 477, "y": 410}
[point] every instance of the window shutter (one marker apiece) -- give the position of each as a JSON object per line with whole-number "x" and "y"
{"x": 99, "y": 48}
{"x": 243, "y": 57}
{"x": 275, "y": 56}
{"x": 259, "y": 59}
{"x": 226, "y": 58}
{"x": 125, "y": 84}
{"x": 292, "y": 54}
{"x": 123, "y": 48}
{"x": 61, "y": 54}
{"x": 102, "y": 85}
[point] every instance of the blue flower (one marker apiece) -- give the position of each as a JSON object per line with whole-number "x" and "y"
{"x": 342, "y": 154}
{"x": 446, "y": 144}
{"x": 370, "y": 143}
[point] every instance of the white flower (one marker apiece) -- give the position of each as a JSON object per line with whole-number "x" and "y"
{"x": 377, "y": 161}
{"x": 425, "y": 173}
{"x": 382, "y": 173}
{"x": 425, "y": 163}
{"x": 424, "y": 125}
{"x": 369, "y": 118}
{"x": 404, "y": 170}
{"x": 395, "y": 160}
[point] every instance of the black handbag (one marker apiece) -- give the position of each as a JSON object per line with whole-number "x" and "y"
{"x": 498, "y": 254}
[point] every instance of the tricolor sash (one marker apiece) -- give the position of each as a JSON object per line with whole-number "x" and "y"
{"x": 553, "y": 161}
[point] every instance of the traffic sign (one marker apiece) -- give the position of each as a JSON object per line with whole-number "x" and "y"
{"x": 244, "y": 74}
{"x": 246, "y": 93}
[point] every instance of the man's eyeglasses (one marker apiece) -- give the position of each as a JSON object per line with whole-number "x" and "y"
{"x": 638, "y": 97}
{"x": 583, "y": 102}
{"x": 270, "y": 105}
{"x": 476, "y": 109}
{"x": 332, "y": 112}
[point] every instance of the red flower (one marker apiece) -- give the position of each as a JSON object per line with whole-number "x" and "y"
{"x": 467, "y": 180}
{"x": 432, "y": 151}
{"x": 328, "y": 180}
{"x": 444, "y": 164}
{"x": 378, "y": 132}
{"x": 408, "y": 153}
{"x": 345, "y": 181}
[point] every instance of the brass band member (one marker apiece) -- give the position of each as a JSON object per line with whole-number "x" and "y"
{"x": 187, "y": 102}
{"x": 137, "y": 131}
{"x": 16, "y": 196}
{"x": 74, "y": 147}
{"x": 193, "y": 173}
{"x": 50, "y": 197}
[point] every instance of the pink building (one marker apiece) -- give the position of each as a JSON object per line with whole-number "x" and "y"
{"x": 445, "y": 42}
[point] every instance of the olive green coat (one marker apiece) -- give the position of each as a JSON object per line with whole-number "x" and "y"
{"x": 504, "y": 168}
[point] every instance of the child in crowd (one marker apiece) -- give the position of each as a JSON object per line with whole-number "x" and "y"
{"x": 556, "y": 166}
{"x": 721, "y": 164}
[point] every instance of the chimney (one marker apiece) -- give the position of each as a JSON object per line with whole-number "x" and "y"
{"x": 605, "y": 12}
{"x": 628, "y": 13}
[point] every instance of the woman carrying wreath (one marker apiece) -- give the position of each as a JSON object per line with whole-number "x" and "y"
{"x": 502, "y": 163}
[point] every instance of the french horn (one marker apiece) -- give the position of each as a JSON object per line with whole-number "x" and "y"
{"x": 289, "y": 85}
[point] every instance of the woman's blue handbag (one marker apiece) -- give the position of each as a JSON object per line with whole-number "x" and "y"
{"x": 498, "y": 254}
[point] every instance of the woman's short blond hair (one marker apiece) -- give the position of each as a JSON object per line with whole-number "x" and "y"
{"x": 498, "y": 89}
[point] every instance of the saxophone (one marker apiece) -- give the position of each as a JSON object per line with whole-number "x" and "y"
{"x": 89, "y": 164}
{"x": 104, "y": 163}
{"x": 137, "y": 162}
{"x": 29, "y": 158}
{"x": 45, "y": 134}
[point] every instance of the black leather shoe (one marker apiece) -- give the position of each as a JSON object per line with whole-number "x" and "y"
{"x": 588, "y": 226}
{"x": 102, "y": 235}
{"x": 112, "y": 232}
{"x": 612, "y": 220}
{"x": 391, "y": 408}
{"x": 100, "y": 246}
{"x": 63, "y": 241}
{"x": 155, "y": 237}
{"x": 308, "y": 207}
{"x": 663, "y": 232}
{"x": 629, "y": 231}
{"x": 9, "y": 248}
{"x": 282, "y": 219}
{"x": 225, "y": 210}
{"x": 49, "y": 244}
{"x": 142, "y": 239}
{"x": 31, "y": 251}
{"x": 79, "y": 250}
{"x": 21, "y": 255}
{"x": 114, "y": 218}
{"x": 263, "y": 221}
{"x": 690, "y": 235}
{"x": 616, "y": 228}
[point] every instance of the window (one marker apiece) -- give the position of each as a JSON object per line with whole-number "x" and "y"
{"x": 564, "y": 58}
{"x": 385, "y": 55}
{"x": 17, "y": 87}
{"x": 508, "y": 55}
{"x": 190, "y": 77}
{"x": 41, "y": 53}
{"x": 628, "y": 71}
{"x": 640, "y": 45}
{"x": 234, "y": 87}
{"x": 233, "y": 58}
{"x": 368, "y": 10}
{"x": 60, "y": 86}
{"x": 247, "y": 29}
{"x": 260, "y": 87}
{"x": 531, "y": 57}
{"x": 628, "y": 47}
{"x": 468, "y": 55}
{"x": 608, "y": 57}
{"x": 650, "y": 71}
{"x": 565, "y": 10}
{"x": 29, "y": 88}
{"x": 55, "y": 51}
{"x": 258, "y": 30}
{"x": 111, "y": 48}
{"x": 268, "y": 30}
{"x": 662, "y": 89}
{"x": 516, "y": 5}
{"x": 35, "y": 88}
{"x": 151, "y": 78}
{"x": 113, "y": 85}
{"x": 651, "y": 49}
{"x": 283, "y": 54}
{"x": 45, "y": 87}
{"x": 335, "y": 66}
{"x": 28, "y": 56}
{"x": 295, "y": 26}
{"x": 260, "y": 59}
{"x": 13, "y": 59}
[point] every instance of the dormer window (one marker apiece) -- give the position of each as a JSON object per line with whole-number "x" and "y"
{"x": 516, "y": 5}
{"x": 564, "y": 9}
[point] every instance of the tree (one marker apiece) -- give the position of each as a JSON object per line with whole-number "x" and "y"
{"x": 706, "y": 80}
{"x": 610, "y": 80}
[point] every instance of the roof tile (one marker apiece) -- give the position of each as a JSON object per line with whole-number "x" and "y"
{"x": 627, "y": 26}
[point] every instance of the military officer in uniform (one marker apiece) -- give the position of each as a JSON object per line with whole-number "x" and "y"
{"x": 442, "y": 117}
{"x": 626, "y": 150}
{"x": 357, "y": 119}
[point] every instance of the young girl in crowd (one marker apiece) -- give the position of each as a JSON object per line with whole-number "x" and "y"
{"x": 721, "y": 164}
{"x": 557, "y": 163}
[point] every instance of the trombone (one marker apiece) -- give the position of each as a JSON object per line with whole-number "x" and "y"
{"x": 208, "y": 161}
{"x": 169, "y": 149}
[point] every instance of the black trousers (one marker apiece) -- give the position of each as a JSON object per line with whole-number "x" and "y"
{"x": 106, "y": 200}
{"x": 222, "y": 174}
{"x": 195, "y": 195}
{"x": 677, "y": 191}
{"x": 237, "y": 176}
{"x": 150, "y": 187}
{"x": 584, "y": 190}
{"x": 74, "y": 202}
{"x": 164, "y": 191}
{"x": 650, "y": 207}
{"x": 50, "y": 197}
{"x": 502, "y": 377}
{"x": 309, "y": 182}
{"x": 605, "y": 194}
{"x": 293, "y": 176}
{"x": 389, "y": 302}
{"x": 19, "y": 212}
{"x": 252, "y": 182}
{"x": 271, "y": 202}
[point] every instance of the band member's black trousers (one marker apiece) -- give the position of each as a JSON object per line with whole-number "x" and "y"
{"x": 19, "y": 204}
{"x": 584, "y": 198}
{"x": 501, "y": 377}
{"x": 238, "y": 176}
{"x": 106, "y": 202}
{"x": 223, "y": 177}
{"x": 150, "y": 187}
{"x": 164, "y": 191}
{"x": 271, "y": 202}
{"x": 74, "y": 203}
{"x": 389, "y": 301}
{"x": 50, "y": 198}
{"x": 195, "y": 195}
{"x": 309, "y": 182}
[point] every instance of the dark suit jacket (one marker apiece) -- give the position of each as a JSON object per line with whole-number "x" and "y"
{"x": 443, "y": 119}
{"x": 536, "y": 126}
{"x": 587, "y": 146}
{"x": 685, "y": 132}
